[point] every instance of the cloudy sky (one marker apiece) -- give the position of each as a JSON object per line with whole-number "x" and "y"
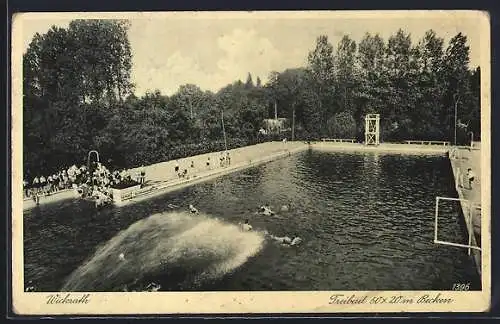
{"x": 212, "y": 50}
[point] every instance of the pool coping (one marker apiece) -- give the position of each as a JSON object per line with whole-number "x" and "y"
{"x": 209, "y": 175}
{"x": 390, "y": 148}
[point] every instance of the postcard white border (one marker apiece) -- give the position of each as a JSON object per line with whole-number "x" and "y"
{"x": 244, "y": 302}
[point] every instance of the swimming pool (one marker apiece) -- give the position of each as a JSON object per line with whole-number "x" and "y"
{"x": 366, "y": 220}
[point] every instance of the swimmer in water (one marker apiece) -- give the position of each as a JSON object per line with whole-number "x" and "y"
{"x": 285, "y": 240}
{"x": 193, "y": 210}
{"x": 246, "y": 227}
{"x": 31, "y": 287}
{"x": 266, "y": 210}
{"x": 121, "y": 257}
{"x": 152, "y": 287}
{"x": 296, "y": 241}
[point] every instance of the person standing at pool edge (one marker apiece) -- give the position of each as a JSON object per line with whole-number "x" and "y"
{"x": 176, "y": 168}
{"x": 470, "y": 177}
{"x": 222, "y": 160}
{"x": 25, "y": 187}
{"x": 143, "y": 175}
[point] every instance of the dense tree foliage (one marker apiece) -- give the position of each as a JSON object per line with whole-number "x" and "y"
{"x": 78, "y": 96}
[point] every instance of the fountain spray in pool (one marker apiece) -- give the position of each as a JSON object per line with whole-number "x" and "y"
{"x": 177, "y": 248}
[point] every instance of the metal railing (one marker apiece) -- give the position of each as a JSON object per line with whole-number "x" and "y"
{"x": 339, "y": 140}
{"x": 470, "y": 227}
{"x": 428, "y": 142}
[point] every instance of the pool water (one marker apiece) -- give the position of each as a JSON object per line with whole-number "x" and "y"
{"x": 366, "y": 220}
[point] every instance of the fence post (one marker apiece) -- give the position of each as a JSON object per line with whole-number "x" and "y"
{"x": 436, "y": 220}
{"x": 471, "y": 232}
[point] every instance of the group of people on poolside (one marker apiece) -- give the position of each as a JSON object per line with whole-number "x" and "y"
{"x": 45, "y": 185}
{"x": 100, "y": 180}
{"x": 183, "y": 174}
{"x": 224, "y": 159}
{"x": 97, "y": 182}
{"x": 186, "y": 173}
{"x": 93, "y": 180}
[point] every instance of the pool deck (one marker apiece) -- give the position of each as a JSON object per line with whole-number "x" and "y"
{"x": 460, "y": 162}
{"x": 391, "y": 148}
{"x": 161, "y": 177}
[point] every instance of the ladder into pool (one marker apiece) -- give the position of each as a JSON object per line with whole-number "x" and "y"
{"x": 468, "y": 209}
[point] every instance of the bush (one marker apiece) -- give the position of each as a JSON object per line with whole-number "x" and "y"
{"x": 342, "y": 125}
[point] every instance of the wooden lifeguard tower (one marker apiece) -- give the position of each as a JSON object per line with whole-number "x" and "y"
{"x": 372, "y": 129}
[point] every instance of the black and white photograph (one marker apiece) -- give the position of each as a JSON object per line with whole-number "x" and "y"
{"x": 263, "y": 157}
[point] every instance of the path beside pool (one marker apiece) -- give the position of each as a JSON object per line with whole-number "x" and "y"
{"x": 460, "y": 162}
{"x": 390, "y": 148}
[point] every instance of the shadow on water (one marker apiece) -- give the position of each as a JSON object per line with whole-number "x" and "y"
{"x": 366, "y": 221}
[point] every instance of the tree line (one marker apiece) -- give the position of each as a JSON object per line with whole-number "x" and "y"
{"x": 78, "y": 96}
{"x": 414, "y": 87}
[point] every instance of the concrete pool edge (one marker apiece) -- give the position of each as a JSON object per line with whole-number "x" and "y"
{"x": 475, "y": 254}
{"x": 389, "y": 148}
{"x": 213, "y": 174}
{"x": 63, "y": 195}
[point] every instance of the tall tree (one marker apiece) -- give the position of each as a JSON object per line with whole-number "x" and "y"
{"x": 72, "y": 79}
{"x": 102, "y": 49}
{"x": 258, "y": 82}
{"x": 189, "y": 98}
{"x": 396, "y": 120}
{"x": 430, "y": 87}
{"x": 321, "y": 66}
{"x": 474, "y": 117}
{"x": 373, "y": 87}
{"x": 346, "y": 74}
{"x": 249, "y": 82}
{"x": 456, "y": 72}
{"x": 299, "y": 102}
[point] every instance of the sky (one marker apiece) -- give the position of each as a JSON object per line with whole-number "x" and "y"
{"x": 212, "y": 50}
